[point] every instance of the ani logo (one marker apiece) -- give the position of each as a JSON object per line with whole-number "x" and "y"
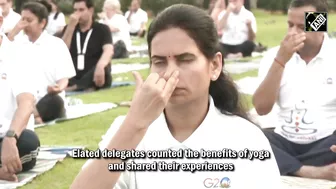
{"x": 225, "y": 182}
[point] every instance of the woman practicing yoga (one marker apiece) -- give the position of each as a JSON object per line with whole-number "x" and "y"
{"x": 188, "y": 107}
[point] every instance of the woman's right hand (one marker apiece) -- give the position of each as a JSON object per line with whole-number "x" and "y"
{"x": 150, "y": 98}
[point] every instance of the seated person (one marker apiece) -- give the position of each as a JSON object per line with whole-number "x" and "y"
{"x": 48, "y": 54}
{"x": 91, "y": 49}
{"x": 171, "y": 110}
{"x": 18, "y": 142}
{"x": 56, "y": 20}
{"x": 11, "y": 18}
{"x": 239, "y": 28}
{"x": 299, "y": 76}
{"x": 119, "y": 27}
{"x": 137, "y": 18}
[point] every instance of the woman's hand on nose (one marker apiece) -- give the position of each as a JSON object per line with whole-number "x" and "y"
{"x": 151, "y": 97}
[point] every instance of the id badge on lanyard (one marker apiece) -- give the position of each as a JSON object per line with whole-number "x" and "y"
{"x": 81, "y": 52}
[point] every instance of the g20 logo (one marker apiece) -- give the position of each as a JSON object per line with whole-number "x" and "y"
{"x": 217, "y": 183}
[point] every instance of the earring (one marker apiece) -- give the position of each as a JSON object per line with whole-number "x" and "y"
{"x": 214, "y": 77}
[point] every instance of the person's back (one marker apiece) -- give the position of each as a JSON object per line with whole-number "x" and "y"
{"x": 56, "y": 20}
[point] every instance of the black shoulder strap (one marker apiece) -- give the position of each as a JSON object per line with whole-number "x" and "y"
{"x": 56, "y": 15}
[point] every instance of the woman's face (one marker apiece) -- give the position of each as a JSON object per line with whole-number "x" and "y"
{"x": 173, "y": 49}
{"x": 109, "y": 11}
{"x": 33, "y": 24}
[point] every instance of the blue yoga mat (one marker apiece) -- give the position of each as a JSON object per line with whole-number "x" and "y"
{"x": 113, "y": 85}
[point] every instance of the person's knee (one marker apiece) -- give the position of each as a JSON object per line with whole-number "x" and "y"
{"x": 247, "y": 48}
{"x": 28, "y": 142}
{"x": 28, "y": 147}
{"x": 50, "y": 107}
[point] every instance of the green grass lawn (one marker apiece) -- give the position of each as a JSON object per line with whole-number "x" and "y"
{"x": 87, "y": 131}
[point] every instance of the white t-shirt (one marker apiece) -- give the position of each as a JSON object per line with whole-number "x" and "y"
{"x": 137, "y": 19}
{"x": 15, "y": 79}
{"x": 51, "y": 59}
{"x": 10, "y": 21}
{"x": 54, "y": 25}
{"x": 216, "y": 132}
{"x": 119, "y": 21}
{"x": 236, "y": 31}
{"x": 307, "y": 96}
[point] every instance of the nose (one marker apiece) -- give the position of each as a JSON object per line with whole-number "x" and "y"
{"x": 171, "y": 67}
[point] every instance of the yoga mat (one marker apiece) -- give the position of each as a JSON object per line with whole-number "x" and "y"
{"x": 305, "y": 183}
{"x": 113, "y": 85}
{"x": 46, "y": 160}
{"x": 81, "y": 110}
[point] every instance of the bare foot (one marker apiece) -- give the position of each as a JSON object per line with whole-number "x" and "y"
{"x": 333, "y": 148}
{"x": 327, "y": 172}
{"x": 7, "y": 176}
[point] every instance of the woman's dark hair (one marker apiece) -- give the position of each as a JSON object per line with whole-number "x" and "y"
{"x": 201, "y": 28}
{"x": 39, "y": 9}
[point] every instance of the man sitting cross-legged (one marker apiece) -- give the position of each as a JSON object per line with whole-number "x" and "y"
{"x": 18, "y": 143}
{"x": 300, "y": 76}
{"x": 91, "y": 48}
{"x": 239, "y": 28}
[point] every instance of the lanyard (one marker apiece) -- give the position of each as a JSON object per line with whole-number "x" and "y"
{"x": 79, "y": 49}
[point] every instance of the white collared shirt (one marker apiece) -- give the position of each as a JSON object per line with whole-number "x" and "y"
{"x": 216, "y": 132}
{"x": 51, "y": 59}
{"x": 137, "y": 19}
{"x": 236, "y": 31}
{"x": 307, "y": 96}
{"x": 15, "y": 79}
{"x": 10, "y": 21}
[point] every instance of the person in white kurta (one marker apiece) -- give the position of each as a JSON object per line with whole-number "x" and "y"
{"x": 119, "y": 27}
{"x": 239, "y": 28}
{"x": 56, "y": 19}
{"x": 185, "y": 103}
{"x": 11, "y": 18}
{"x": 137, "y": 19}
{"x": 299, "y": 76}
{"x": 51, "y": 60}
{"x": 217, "y": 132}
{"x": 19, "y": 143}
